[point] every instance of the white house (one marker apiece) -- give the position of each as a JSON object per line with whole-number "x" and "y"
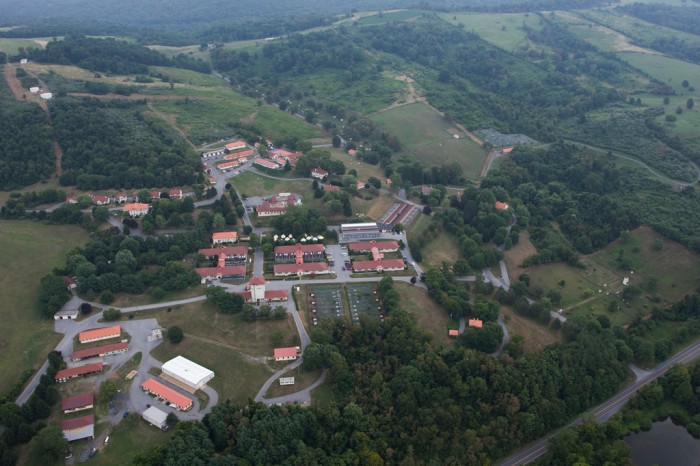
{"x": 319, "y": 173}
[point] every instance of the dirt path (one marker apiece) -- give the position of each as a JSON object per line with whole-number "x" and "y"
{"x": 21, "y": 94}
{"x": 140, "y": 96}
{"x": 172, "y": 121}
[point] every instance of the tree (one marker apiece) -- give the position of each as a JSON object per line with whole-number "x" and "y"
{"x": 111, "y": 314}
{"x": 108, "y": 390}
{"x": 690, "y": 103}
{"x": 100, "y": 213}
{"x": 171, "y": 419}
{"x": 175, "y": 334}
{"x": 49, "y": 444}
{"x": 398, "y": 228}
{"x": 374, "y": 182}
{"x": 336, "y": 141}
{"x": 254, "y": 240}
{"x": 85, "y": 308}
{"x": 53, "y": 294}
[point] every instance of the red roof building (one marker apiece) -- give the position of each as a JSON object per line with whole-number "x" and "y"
{"x": 352, "y": 152}
{"x": 257, "y": 281}
{"x": 286, "y": 354}
{"x": 175, "y": 193}
{"x": 476, "y": 323}
{"x": 101, "y": 351}
{"x": 385, "y": 265}
{"x": 230, "y": 252}
{"x": 367, "y": 246}
{"x": 155, "y": 195}
{"x": 236, "y": 145}
{"x": 453, "y": 333}
{"x": 229, "y": 165}
{"x": 173, "y": 397}
{"x": 77, "y": 403}
{"x": 71, "y": 200}
{"x": 67, "y": 374}
{"x": 219, "y": 273}
{"x": 501, "y": 205}
{"x": 100, "y": 334}
{"x": 331, "y": 187}
{"x": 136, "y": 209}
{"x": 269, "y": 164}
{"x": 317, "y": 268}
{"x": 319, "y": 173}
{"x": 224, "y": 237}
{"x": 100, "y": 200}
{"x": 239, "y": 154}
{"x": 78, "y": 428}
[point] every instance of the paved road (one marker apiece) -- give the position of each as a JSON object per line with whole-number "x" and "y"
{"x": 606, "y": 410}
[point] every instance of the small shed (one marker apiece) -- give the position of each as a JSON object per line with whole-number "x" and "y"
{"x": 34, "y": 90}
{"x": 155, "y": 417}
{"x": 46, "y": 95}
{"x": 71, "y": 314}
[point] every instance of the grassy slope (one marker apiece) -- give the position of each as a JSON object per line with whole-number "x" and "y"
{"x": 430, "y": 316}
{"x": 29, "y": 251}
{"x": 502, "y": 30}
{"x": 671, "y": 71}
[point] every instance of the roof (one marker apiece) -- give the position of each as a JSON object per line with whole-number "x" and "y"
{"x": 91, "y": 352}
{"x": 383, "y": 264}
{"x": 307, "y": 267}
{"x": 353, "y": 226}
{"x": 331, "y": 187}
{"x": 227, "y": 250}
{"x": 187, "y": 370}
{"x": 368, "y": 245}
{"x": 478, "y": 323}
{"x": 234, "y": 144}
{"x": 78, "y": 422}
{"x": 77, "y": 401}
{"x": 239, "y": 154}
{"x": 100, "y": 333}
{"x": 76, "y": 371}
{"x": 226, "y": 165}
{"x": 155, "y": 414}
{"x": 501, "y": 205}
{"x": 453, "y": 332}
{"x": 266, "y": 163}
{"x": 135, "y": 206}
{"x": 319, "y": 171}
{"x": 285, "y": 352}
{"x": 257, "y": 281}
{"x": 426, "y": 190}
{"x": 153, "y": 386}
{"x": 507, "y": 150}
{"x": 205, "y": 272}
{"x": 276, "y": 294}
{"x": 266, "y": 207}
{"x": 224, "y": 235}
{"x": 175, "y": 191}
{"x": 352, "y": 152}
{"x": 304, "y": 248}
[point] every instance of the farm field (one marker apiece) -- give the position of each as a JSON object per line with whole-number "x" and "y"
{"x": 667, "y": 70}
{"x": 535, "y": 335}
{"x": 503, "y": 30}
{"x": 11, "y": 46}
{"x": 687, "y": 124}
{"x": 428, "y": 314}
{"x": 428, "y": 137}
{"x": 29, "y": 250}
{"x": 237, "y": 377}
{"x": 664, "y": 271}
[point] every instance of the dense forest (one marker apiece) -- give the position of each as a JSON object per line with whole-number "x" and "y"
{"x": 26, "y": 155}
{"x": 109, "y": 56}
{"x": 115, "y": 144}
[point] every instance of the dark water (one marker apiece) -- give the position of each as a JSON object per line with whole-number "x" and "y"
{"x": 666, "y": 444}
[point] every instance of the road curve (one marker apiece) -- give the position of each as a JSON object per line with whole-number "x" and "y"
{"x": 607, "y": 409}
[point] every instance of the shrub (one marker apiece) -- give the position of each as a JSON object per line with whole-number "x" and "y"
{"x": 175, "y": 334}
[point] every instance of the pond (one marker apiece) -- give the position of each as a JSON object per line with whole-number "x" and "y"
{"x": 665, "y": 444}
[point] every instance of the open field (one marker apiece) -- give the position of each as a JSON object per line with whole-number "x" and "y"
{"x": 665, "y": 271}
{"x": 687, "y": 124}
{"x": 536, "y": 336}
{"x": 429, "y": 315}
{"x": 130, "y": 437}
{"x": 29, "y": 250}
{"x": 364, "y": 170}
{"x": 428, "y": 137}
{"x": 671, "y": 71}
{"x": 388, "y": 17}
{"x": 503, "y": 30}
{"x": 128, "y": 300}
{"x": 517, "y": 254}
{"x": 379, "y": 207}
{"x": 444, "y": 248}
{"x": 11, "y": 46}
{"x": 252, "y": 184}
{"x": 237, "y": 377}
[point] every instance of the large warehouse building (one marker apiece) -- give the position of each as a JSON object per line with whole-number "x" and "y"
{"x": 186, "y": 372}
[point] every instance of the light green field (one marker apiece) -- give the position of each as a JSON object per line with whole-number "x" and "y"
{"x": 501, "y": 29}
{"x": 428, "y": 137}
{"x": 29, "y": 250}
{"x": 389, "y": 17}
{"x": 364, "y": 170}
{"x": 429, "y": 315}
{"x": 668, "y": 70}
{"x": 687, "y": 124}
{"x": 444, "y": 248}
{"x": 11, "y": 46}
{"x": 252, "y": 184}
{"x": 190, "y": 77}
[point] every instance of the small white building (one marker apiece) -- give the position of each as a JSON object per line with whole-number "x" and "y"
{"x": 155, "y": 417}
{"x": 286, "y": 381}
{"x": 34, "y": 90}
{"x": 187, "y": 372}
{"x": 66, "y": 315}
{"x": 46, "y": 95}
{"x": 23, "y": 61}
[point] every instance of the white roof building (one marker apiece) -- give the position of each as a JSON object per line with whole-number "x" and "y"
{"x": 187, "y": 372}
{"x": 155, "y": 416}
{"x": 46, "y": 95}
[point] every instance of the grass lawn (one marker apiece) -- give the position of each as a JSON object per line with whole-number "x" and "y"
{"x": 535, "y": 335}
{"x": 429, "y": 315}
{"x": 130, "y": 437}
{"x": 418, "y": 226}
{"x": 379, "y": 207}
{"x": 11, "y": 45}
{"x": 236, "y": 377}
{"x": 364, "y": 170}
{"x": 389, "y": 17}
{"x": 252, "y": 184}
{"x": 503, "y": 30}
{"x": 444, "y": 248}
{"x": 671, "y": 71}
{"x": 429, "y": 138}
{"x": 29, "y": 250}
{"x": 128, "y": 300}
{"x": 517, "y": 254}
{"x": 323, "y": 395}
{"x": 302, "y": 379}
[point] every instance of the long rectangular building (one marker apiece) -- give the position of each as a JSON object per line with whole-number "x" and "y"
{"x": 236, "y": 253}
{"x": 218, "y": 273}
{"x": 187, "y": 372}
{"x": 304, "y": 252}
{"x": 386, "y": 265}
{"x": 100, "y": 334}
{"x": 311, "y": 268}
{"x": 367, "y": 246}
{"x": 67, "y": 374}
{"x": 173, "y": 397}
{"x": 78, "y": 428}
{"x": 77, "y": 403}
{"x": 100, "y": 351}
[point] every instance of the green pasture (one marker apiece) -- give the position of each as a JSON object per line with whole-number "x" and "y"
{"x": 504, "y": 30}
{"x": 389, "y": 17}
{"x": 670, "y": 71}
{"x": 428, "y": 137}
{"x": 29, "y": 250}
